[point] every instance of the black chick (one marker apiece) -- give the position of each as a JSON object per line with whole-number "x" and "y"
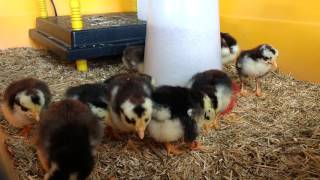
{"x": 218, "y": 86}
{"x": 179, "y": 113}
{"x": 94, "y": 95}
{"x": 229, "y": 48}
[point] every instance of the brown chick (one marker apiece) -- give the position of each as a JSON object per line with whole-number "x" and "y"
{"x": 68, "y": 136}
{"x": 23, "y": 100}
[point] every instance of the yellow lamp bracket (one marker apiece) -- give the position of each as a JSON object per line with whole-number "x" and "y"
{"x": 77, "y": 24}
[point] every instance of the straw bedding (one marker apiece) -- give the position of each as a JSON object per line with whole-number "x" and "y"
{"x": 276, "y": 136}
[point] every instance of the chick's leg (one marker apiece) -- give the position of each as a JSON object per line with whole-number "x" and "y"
{"x": 258, "y": 87}
{"x": 243, "y": 92}
{"x": 25, "y": 132}
{"x": 172, "y": 149}
{"x": 131, "y": 145}
{"x": 196, "y": 146}
{"x": 43, "y": 159}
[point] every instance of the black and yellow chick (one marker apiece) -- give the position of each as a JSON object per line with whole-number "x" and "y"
{"x": 68, "y": 136}
{"x": 218, "y": 86}
{"x": 179, "y": 113}
{"x": 23, "y": 100}
{"x": 256, "y": 63}
{"x": 130, "y": 104}
{"x": 229, "y": 48}
{"x": 94, "y": 95}
{"x": 133, "y": 58}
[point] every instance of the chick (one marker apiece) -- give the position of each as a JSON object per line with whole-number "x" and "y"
{"x": 23, "y": 100}
{"x": 67, "y": 138}
{"x": 94, "y": 95}
{"x": 218, "y": 86}
{"x": 256, "y": 63}
{"x": 133, "y": 58}
{"x": 130, "y": 104}
{"x": 179, "y": 113}
{"x": 229, "y": 48}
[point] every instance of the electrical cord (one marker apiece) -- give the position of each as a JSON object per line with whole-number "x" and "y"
{"x": 54, "y": 8}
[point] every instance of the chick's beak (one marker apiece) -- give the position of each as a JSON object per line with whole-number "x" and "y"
{"x": 35, "y": 113}
{"x": 140, "y": 127}
{"x": 274, "y": 64}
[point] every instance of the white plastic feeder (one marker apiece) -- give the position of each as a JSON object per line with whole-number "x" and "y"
{"x": 183, "y": 38}
{"x": 142, "y": 7}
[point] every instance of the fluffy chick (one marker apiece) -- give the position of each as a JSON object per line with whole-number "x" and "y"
{"x": 130, "y": 104}
{"x": 133, "y": 58}
{"x": 68, "y": 136}
{"x": 94, "y": 95}
{"x": 229, "y": 48}
{"x": 179, "y": 113}
{"x": 218, "y": 86}
{"x": 256, "y": 63}
{"x": 23, "y": 100}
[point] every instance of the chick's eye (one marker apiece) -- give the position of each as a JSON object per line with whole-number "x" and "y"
{"x": 206, "y": 116}
{"x": 146, "y": 119}
{"x": 24, "y": 109}
{"x": 130, "y": 121}
{"x": 266, "y": 58}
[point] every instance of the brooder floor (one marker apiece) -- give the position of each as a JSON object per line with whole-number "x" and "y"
{"x": 275, "y": 136}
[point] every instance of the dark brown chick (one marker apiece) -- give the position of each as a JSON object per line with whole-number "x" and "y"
{"x": 6, "y": 164}
{"x": 68, "y": 136}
